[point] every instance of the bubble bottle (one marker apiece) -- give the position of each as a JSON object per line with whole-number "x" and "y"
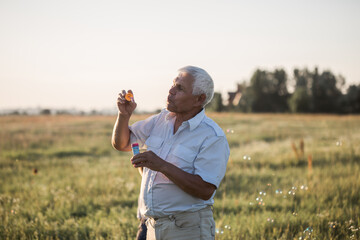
{"x": 135, "y": 148}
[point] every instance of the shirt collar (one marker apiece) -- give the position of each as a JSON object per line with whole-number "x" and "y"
{"x": 193, "y": 122}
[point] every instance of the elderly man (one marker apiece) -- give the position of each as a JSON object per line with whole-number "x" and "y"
{"x": 185, "y": 161}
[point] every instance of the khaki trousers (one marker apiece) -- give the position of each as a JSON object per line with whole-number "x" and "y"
{"x": 182, "y": 226}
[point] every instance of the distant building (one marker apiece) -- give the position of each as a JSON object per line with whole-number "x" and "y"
{"x": 234, "y": 97}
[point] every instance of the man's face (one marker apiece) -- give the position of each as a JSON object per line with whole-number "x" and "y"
{"x": 180, "y": 98}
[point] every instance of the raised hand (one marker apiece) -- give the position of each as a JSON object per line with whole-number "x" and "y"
{"x": 125, "y": 107}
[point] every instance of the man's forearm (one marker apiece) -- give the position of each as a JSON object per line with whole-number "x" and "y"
{"x": 121, "y": 133}
{"x": 189, "y": 183}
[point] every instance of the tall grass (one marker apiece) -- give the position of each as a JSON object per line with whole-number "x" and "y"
{"x": 61, "y": 179}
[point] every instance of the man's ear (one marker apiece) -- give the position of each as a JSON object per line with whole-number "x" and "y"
{"x": 200, "y": 99}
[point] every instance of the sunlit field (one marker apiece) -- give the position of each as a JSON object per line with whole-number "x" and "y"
{"x": 288, "y": 177}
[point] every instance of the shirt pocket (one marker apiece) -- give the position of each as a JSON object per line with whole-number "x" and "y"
{"x": 154, "y": 144}
{"x": 183, "y": 157}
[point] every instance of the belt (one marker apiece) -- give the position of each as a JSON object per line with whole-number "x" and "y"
{"x": 172, "y": 217}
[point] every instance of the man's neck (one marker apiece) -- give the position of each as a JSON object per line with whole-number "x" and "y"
{"x": 182, "y": 117}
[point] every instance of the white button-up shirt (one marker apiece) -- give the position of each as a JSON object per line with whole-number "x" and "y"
{"x": 198, "y": 147}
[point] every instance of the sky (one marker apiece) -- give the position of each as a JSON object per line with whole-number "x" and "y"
{"x": 81, "y": 54}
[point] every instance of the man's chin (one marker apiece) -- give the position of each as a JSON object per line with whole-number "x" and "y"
{"x": 169, "y": 107}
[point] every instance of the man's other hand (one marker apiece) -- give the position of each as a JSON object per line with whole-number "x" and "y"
{"x": 148, "y": 159}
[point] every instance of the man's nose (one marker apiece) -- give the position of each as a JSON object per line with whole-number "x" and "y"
{"x": 172, "y": 90}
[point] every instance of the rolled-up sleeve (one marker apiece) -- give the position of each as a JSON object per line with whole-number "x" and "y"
{"x": 140, "y": 131}
{"x": 210, "y": 163}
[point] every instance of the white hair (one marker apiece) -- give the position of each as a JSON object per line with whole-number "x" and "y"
{"x": 203, "y": 83}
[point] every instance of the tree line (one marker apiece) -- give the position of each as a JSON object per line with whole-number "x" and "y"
{"x": 313, "y": 92}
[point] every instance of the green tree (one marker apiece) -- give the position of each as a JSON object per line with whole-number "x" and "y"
{"x": 45, "y": 112}
{"x": 300, "y": 100}
{"x": 316, "y": 92}
{"x": 350, "y": 103}
{"x": 246, "y": 101}
{"x": 216, "y": 104}
{"x": 269, "y": 91}
{"x": 325, "y": 92}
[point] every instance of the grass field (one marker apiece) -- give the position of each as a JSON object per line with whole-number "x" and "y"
{"x": 288, "y": 177}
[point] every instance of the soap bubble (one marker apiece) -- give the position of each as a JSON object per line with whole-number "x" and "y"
{"x": 332, "y": 225}
{"x": 308, "y": 231}
{"x": 230, "y": 130}
{"x": 246, "y": 157}
{"x": 260, "y": 201}
{"x": 228, "y": 227}
{"x": 292, "y": 191}
{"x": 219, "y": 231}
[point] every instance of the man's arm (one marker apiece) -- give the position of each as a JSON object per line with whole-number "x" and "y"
{"x": 121, "y": 133}
{"x": 189, "y": 183}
